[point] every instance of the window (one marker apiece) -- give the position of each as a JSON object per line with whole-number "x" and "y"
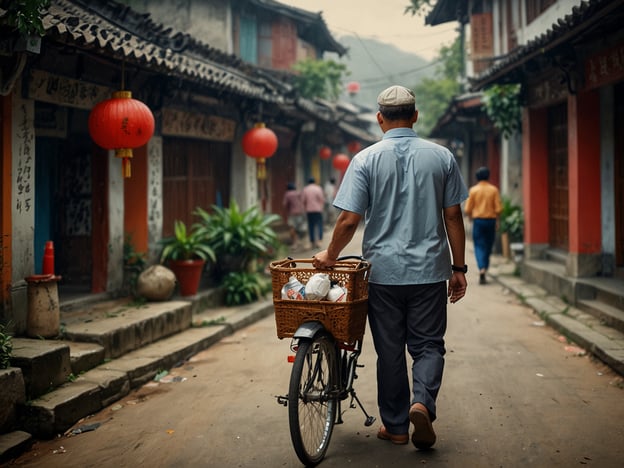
{"x": 247, "y": 38}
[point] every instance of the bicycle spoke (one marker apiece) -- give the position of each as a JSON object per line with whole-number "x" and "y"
{"x": 312, "y": 405}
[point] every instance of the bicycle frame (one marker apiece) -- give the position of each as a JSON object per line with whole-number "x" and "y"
{"x": 346, "y": 366}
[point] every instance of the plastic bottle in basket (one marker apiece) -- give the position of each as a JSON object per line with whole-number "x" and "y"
{"x": 337, "y": 293}
{"x": 293, "y": 290}
{"x": 317, "y": 287}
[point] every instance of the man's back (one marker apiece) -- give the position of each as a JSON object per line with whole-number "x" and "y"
{"x": 401, "y": 184}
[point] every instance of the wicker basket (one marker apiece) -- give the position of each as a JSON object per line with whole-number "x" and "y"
{"x": 346, "y": 321}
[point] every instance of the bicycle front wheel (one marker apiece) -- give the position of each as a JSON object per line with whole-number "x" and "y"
{"x": 311, "y": 398}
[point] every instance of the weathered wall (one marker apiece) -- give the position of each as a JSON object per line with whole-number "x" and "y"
{"x": 209, "y": 21}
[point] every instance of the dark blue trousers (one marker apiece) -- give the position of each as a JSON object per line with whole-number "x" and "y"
{"x": 483, "y": 235}
{"x": 411, "y": 318}
{"x": 315, "y": 226}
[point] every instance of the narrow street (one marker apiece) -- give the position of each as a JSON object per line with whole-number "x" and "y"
{"x": 515, "y": 394}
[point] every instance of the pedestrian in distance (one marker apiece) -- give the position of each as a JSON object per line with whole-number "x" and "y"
{"x": 409, "y": 192}
{"x": 483, "y": 207}
{"x": 313, "y": 203}
{"x": 294, "y": 214}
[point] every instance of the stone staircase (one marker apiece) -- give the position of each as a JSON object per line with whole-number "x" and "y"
{"x": 108, "y": 348}
{"x": 589, "y": 311}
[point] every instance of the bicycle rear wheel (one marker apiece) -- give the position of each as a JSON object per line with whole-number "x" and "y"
{"x": 311, "y": 398}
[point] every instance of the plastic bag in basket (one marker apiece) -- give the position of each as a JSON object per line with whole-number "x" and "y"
{"x": 317, "y": 287}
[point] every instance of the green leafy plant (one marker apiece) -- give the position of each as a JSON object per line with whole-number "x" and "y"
{"x": 243, "y": 288}
{"x": 134, "y": 263}
{"x": 6, "y": 347}
{"x": 237, "y": 237}
{"x": 319, "y": 78}
{"x": 25, "y": 15}
{"x": 503, "y": 107}
{"x": 512, "y": 220}
{"x": 186, "y": 244}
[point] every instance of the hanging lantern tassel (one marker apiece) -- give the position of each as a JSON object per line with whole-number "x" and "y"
{"x": 260, "y": 143}
{"x": 121, "y": 124}
{"x": 126, "y": 155}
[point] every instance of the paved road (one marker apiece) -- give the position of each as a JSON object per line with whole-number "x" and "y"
{"x": 514, "y": 395}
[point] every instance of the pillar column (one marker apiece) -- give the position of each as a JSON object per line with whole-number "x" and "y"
{"x": 584, "y": 184}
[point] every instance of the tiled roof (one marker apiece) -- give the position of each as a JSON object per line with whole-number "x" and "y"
{"x": 588, "y": 16}
{"x": 103, "y": 25}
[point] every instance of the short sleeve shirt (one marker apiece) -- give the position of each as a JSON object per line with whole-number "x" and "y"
{"x": 400, "y": 186}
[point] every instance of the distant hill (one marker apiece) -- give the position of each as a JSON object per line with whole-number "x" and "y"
{"x": 377, "y": 65}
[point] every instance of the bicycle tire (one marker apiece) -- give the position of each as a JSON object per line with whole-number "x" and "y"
{"x": 311, "y": 398}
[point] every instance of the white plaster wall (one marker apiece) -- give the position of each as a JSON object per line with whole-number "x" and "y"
{"x": 22, "y": 206}
{"x": 607, "y": 182}
{"x": 115, "y": 223}
{"x": 154, "y": 198}
{"x": 243, "y": 181}
{"x": 545, "y": 20}
{"x": 511, "y": 168}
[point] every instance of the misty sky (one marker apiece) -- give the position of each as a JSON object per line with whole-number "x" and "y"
{"x": 382, "y": 20}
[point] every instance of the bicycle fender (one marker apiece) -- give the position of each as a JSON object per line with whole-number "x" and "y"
{"x": 308, "y": 330}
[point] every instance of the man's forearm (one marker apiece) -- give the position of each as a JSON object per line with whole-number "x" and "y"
{"x": 345, "y": 228}
{"x": 456, "y": 234}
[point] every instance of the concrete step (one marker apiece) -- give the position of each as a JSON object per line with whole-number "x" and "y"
{"x": 13, "y": 444}
{"x": 126, "y": 327}
{"x": 608, "y": 315}
{"x": 56, "y": 411}
{"x": 45, "y": 364}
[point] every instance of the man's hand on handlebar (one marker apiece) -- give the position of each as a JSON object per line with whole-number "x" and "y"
{"x": 322, "y": 260}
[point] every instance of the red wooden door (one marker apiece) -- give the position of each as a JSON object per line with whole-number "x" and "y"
{"x": 558, "y": 176}
{"x": 195, "y": 173}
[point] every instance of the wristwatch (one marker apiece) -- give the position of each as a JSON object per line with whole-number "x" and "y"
{"x": 463, "y": 269}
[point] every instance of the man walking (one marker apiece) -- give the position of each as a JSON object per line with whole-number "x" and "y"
{"x": 409, "y": 192}
{"x": 484, "y": 206}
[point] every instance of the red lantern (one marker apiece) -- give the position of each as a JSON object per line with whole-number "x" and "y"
{"x": 260, "y": 143}
{"x": 341, "y": 162}
{"x": 121, "y": 123}
{"x": 354, "y": 146}
{"x": 353, "y": 87}
{"x": 325, "y": 152}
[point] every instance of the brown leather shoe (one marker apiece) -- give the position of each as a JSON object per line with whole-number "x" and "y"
{"x": 397, "y": 439}
{"x": 423, "y": 436}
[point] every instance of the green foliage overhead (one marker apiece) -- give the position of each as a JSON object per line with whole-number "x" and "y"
{"x": 419, "y": 7}
{"x": 319, "y": 78}
{"x": 503, "y": 107}
{"x": 25, "y": 15}
{"x": 434, "y": 95}
{"x": 432, "y": 99}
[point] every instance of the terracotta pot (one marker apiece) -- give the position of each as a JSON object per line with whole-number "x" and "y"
{"x": 188, "y": 273}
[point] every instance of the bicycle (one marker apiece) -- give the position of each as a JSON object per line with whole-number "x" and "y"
{"x": 327, "y": 341}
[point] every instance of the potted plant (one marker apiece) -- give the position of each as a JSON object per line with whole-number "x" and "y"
{"x": 186, "y": 253}
{"x": 238, "y": 238}
{"x": 511, "y": 226}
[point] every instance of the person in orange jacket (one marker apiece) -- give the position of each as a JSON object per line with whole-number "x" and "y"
{"x": 483, "y": 207}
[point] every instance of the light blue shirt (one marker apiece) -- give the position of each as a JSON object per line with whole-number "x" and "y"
{"x": 401, "y": 185}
